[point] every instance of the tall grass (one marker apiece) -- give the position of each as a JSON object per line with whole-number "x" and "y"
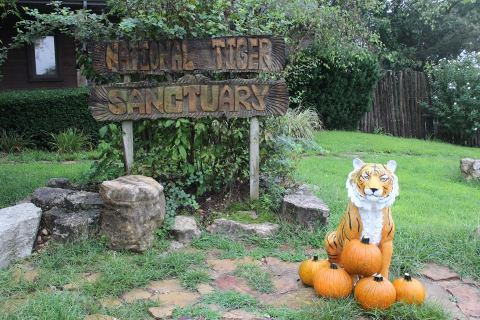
{"x": 70, "y": 140}
{"x": 301, "y": 123}
{"x": 14, "y": 142}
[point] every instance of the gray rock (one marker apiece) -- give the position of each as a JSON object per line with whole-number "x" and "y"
{"x": 77, "y": 226}
{"x": 470, "y": 168}
{"x": 305, "y": 209}
{"x": 62, "y": 183}
{"x": 176, "y": 245}
{"x": 67, "y": 226}
{"x": 185, "y": 229}
{"x": 18, "y": 229}
{"x": 83, "y": 200}
{"x": 47, "y": 198}
{"x": 134, "y": 206}
{"x": 235, "y": 230}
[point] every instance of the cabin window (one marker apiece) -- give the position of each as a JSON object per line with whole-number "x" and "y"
{"x": 44, "y": 60}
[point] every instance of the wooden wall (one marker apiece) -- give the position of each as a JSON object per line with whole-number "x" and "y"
{"x": 397, "y": 108}
{"x": 15, "y": 69}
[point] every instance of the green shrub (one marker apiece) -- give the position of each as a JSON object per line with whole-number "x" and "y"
{"x": 13, "y": 142}
{"x": 70, "y": 140}
{"x": 194, "y": 158}
{"x": 456, "y": 97}
{"x": 39, "y": 113}
{"x": 336, "y": 82}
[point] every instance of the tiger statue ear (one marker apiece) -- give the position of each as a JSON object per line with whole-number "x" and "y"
{"x": 357, "y": 163}
{"x": 392, "y": 165}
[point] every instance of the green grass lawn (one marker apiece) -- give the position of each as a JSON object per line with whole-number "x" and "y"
{"x": 435, "y": 216}
{"x": 22, "y": 173}
{"x": 436, "y": 212}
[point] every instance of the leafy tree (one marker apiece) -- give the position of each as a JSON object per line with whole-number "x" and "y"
{"x": 456, "y": 97}
{"x": 417, "y": 31}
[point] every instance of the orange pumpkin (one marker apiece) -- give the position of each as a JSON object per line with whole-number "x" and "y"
{"x": 409, "y": 290}
{"x": 375, "y": 292}
{"x": 361, "y": 257}
{"x": 309, "y": 268}
{"x": 333, "y": 282}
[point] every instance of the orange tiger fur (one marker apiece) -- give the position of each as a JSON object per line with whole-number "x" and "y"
{"x": 362, "y": 180}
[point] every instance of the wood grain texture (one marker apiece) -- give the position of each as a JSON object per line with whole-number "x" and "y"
{"x": 240, "y": 98}
{"x": 226, "y": 54}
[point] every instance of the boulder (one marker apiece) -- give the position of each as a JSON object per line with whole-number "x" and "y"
{"x": 134, "y": 206}
{"x": 47, "y": 198}
{"x": 62, "y": 183}
{"x": 235, "y": 230}
{"x": 67, "y": 226}
{"x": 302, "y": 207}
{"x": 18, "y": 229}
{"x": 185, "y": 229}
{"x": 470, "y": 168}
{"x": 83, "y": 200}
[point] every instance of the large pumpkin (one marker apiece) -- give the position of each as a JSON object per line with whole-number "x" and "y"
{"x": 361, "y": 257}
{"x": 375, "y": 292}
{"x": 333, "y": 282}
{"x": 309, "y": 268}
{"x": 409, "y": 290}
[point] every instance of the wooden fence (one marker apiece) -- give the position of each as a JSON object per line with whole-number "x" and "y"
{"x": 397, "y": 107}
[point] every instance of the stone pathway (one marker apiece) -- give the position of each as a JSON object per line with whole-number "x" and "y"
{"x": 459, "y": 296}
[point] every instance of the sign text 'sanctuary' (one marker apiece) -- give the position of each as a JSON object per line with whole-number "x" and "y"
{"x": 232, "y": 54}
{"x": 231, "y": 98}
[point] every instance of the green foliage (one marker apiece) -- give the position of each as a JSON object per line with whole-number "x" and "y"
{"x": 196, "y": 312}
{"x": 231, "y": 300}
{"x": 337, "y": 83}
{"x": 70, "y": 140}
{"x": 416, "y": 32}
{"x": 50, "y": 305}
{"x": 257, "y": 278}
{"x": 39, "y": 113}
{"x": 192, "y": 158}
{"x": 192, "y": 278}
{"x": 456, "y": 97}
{"x": 14, "y": 142}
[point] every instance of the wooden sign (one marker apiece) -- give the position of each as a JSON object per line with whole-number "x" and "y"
{"x": 231, "y": 98}
{"x": 232, "y": 54}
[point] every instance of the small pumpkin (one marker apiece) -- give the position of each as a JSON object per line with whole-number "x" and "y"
{"x": 309, "y": 268}
{"x": 333, "y": 282}
{"x": 361, "y": 257}
{"x": 375, "y": 292}
{"x": 409, "y": 290}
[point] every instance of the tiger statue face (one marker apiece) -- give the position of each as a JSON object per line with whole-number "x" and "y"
{"x": 372, "y": 183}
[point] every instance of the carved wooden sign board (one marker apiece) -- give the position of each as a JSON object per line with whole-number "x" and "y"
{"x": 232, "y": 54}
{"x": 231, "y": 98}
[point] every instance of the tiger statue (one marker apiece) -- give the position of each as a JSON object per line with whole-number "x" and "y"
{"x": 372, "y": 189}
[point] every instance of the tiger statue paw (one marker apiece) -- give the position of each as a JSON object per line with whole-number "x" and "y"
{"x": 372, "y": 189}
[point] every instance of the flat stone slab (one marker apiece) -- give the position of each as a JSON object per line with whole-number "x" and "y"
{"x": 18, "y": 230}
{"x": 235, "y": 230}
{"x": 468, "y": 299}
{"x": 179, "y": 299}
{"x": 304, "y": 209}
{"x": 165, "y": 286}
{"x": 161, "y": 312}
{"x": 136, "y": 294}
{"x": 185, "y": 229}
{"x": 437, "y": 272}
{"x": 240, "y": 315}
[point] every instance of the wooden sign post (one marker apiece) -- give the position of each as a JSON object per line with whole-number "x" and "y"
{"x": 240, "y": 98}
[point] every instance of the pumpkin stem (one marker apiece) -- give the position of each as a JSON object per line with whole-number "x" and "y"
{"x": 365, "y": 240}
{"x": 333, "y": 266}
{"x": 407, "y": 277}
{"x": 378, "y": 278}
{"x": 315, "y": 258}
